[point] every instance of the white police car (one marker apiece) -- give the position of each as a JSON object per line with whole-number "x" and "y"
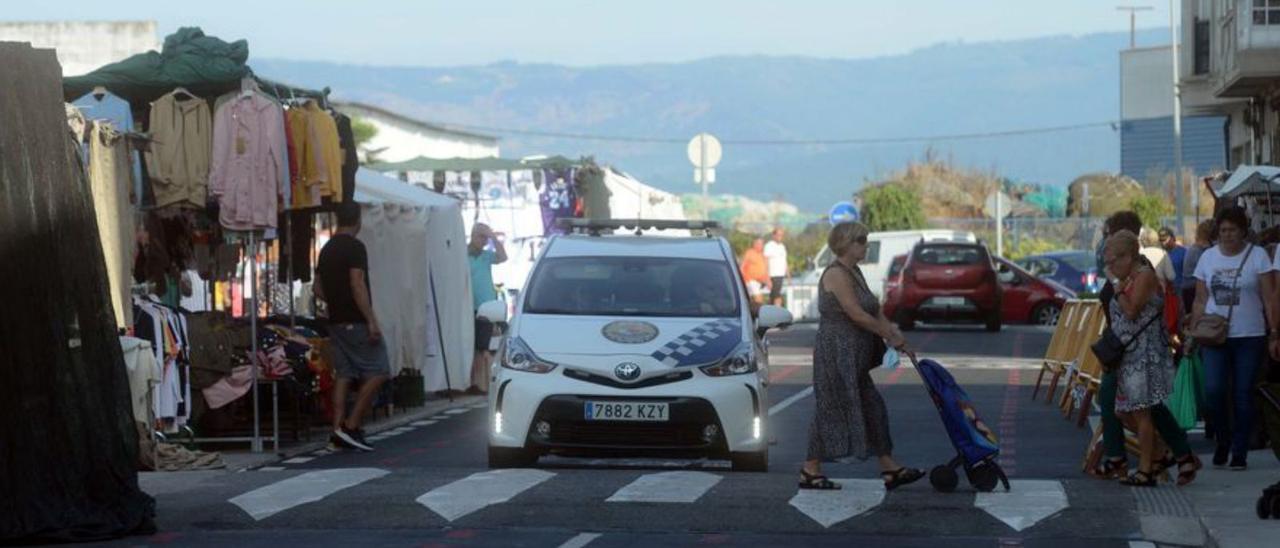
{"x": 633, "y": 345}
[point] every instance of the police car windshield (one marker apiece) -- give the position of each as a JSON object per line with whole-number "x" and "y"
{"x": 632, "y": 286}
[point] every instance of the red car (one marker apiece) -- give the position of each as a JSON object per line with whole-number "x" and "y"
{"x": 1025, "y": 298}
{"x": 1028, "y": 298}
{"x": 947, "y": 282}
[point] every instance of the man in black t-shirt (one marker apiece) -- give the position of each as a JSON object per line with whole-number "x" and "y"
{"x": 357, "y": 351}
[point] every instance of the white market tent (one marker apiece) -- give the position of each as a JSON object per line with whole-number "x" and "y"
{"x": 420, "y": 278}
{"x": 1245, "y": 180}
{"x": 632, "y": 199}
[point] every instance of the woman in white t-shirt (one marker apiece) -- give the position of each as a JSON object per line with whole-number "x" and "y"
{"x": 1233, "y": 280}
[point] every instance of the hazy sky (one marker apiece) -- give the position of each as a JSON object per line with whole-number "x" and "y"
{"x": 579, "y": 32}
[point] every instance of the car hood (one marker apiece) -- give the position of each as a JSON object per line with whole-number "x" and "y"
{"x": 668, "y": 342}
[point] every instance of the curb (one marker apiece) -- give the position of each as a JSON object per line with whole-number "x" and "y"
{"x": 396, "y": 421}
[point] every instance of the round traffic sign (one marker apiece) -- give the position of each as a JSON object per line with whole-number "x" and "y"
{"x": 998, "y": 205}
{"x": 843, "y": 212}
{"x": 704, "y": 150}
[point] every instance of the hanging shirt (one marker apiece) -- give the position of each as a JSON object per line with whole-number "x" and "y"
{"x": 181, "y": 144}
{"x": 247, "y": 162}
{"x": 557, "y": 199}
{"x": 113, "y": 108}
{"x": 350, "y": 158}
{"x": 109, "y": 182}
{"x": 1218, "y": 272}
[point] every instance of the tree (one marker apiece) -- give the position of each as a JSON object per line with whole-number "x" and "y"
{"x": 891, "y": 207}
{"x": 1150, "y": 208}
{"x": 363, "y": 131}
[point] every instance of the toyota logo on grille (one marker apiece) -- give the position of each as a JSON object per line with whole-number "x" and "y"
{"x": 627, "y": 371}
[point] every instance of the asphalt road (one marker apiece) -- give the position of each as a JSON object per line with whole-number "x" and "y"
{"x": 428, "y": 485}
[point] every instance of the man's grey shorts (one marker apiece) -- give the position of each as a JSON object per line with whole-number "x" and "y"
{"x": 353, "y": 356}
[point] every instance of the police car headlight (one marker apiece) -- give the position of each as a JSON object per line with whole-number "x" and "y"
{"x": 740, "y": 362}
{"x": 516, "y": 355}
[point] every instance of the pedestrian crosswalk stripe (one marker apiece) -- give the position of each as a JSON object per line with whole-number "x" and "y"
{"x": 271, "y": 469}
{"x": 299, "y": 460}
{"x": 282, "y": 495}
{"x": 829, "y": 507}
{"x": 439, "y": 417}
{"x": 479, "y": 490}
{"x": 458, "y": 411}
{"x": 423, "y": 423}
{"x": 667, "y": 487}
{"x": 1026, "y": 504}
{"x": 580, "y": 540}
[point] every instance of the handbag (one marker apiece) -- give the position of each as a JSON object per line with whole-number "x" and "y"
{"x": 1212, "y": 329}
{"x": 1184, "y": 402}
{"x": 1110, "y": 350}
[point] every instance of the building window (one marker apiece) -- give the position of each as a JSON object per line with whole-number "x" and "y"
{"x": 1201, "y": 47}
{"x": 1266, "y": 12}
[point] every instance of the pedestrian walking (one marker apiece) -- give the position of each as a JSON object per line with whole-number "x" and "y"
{"x": 1157, "y": 256}
{"x": 1144, "y": 377}
{"x": 755, "y": 272}
{"x": 1115, "y": 463}
{"x": 483, "y": 251}
{"x": 850, "y": 418}
{"x": 1203, "y": 241}
{"x": 356, "y": 348}
{"x": 1177, "y": 255}
{"x": 776, "y": 253}
{"x": 1234, "y": 286}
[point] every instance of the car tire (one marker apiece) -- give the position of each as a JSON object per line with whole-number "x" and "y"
{"x": 750, "y": 462}
{"x": 993, "y": 323}
{"x": 1046, "y": 314}
{"x": 511, "y": 457}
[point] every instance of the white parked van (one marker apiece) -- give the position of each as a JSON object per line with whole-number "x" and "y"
{"x": 882, "y": 247}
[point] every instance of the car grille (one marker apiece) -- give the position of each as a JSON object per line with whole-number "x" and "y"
{"x": 624, "y": 434}
{"x": 669, "y": 378}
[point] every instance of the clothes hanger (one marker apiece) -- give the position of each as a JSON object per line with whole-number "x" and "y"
{"x": 183, "y": 91}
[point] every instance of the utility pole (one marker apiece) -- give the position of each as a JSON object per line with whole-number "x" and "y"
{"x": 1179, "y": 200}
{"x": 1133, "y": 20}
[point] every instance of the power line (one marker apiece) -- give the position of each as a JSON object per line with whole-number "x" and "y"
{"x": 784, "y": 142}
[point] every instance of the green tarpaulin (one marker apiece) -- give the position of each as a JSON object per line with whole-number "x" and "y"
{"x": 205, "y": 65}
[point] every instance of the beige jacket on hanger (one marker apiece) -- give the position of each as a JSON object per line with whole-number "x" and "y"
{"x": 181, "y": 146}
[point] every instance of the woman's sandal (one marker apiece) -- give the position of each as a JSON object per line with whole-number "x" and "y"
{"x": 900, "y": 477}
{"x": 817, "y": 481}
{"x": 1140, "y": 479}
{"x": 1187, "y": 468}
{"x": 1112, "y": 468}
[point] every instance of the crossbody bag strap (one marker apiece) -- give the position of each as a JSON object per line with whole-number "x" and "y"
{"x": 1144, "y": 327}
{"x": 1236, "y": 283}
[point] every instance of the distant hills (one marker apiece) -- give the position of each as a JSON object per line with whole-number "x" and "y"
{"x": 952, "y": 88}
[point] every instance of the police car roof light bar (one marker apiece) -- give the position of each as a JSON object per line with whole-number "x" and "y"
{"x": 594, "y": 227}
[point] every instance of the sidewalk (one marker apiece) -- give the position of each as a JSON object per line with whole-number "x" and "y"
{"x": 1226, "y": 501}
{"x": 239, "y": 460}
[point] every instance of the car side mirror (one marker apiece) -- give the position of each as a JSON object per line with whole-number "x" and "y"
{"x": 494, "y": 311}
{"x": 773, "y": 317}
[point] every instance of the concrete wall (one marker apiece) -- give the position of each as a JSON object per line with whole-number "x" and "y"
{"x": 85, "y": 46}
{"x": 1146, "y": 83}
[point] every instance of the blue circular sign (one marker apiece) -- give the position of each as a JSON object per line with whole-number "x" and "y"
{"x": 843, "y": 212}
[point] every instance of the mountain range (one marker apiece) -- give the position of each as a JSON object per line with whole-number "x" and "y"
{"x": 944, "y": 90}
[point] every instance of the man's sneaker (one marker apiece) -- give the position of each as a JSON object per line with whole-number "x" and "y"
{"x": 1238, "y": 463}
{"x": 1220, "y": 456}
{"x": 348, "y": 437}
{"x": 337, "y": 444}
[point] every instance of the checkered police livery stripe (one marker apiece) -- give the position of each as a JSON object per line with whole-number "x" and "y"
{"x": 701, "y": 345}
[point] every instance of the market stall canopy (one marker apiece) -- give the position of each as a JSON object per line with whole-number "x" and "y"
{"x": 423, "y": 163}
{"x": 1251, "y": 180}
{"x": 205, "y": 65}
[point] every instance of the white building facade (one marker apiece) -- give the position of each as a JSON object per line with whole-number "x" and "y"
{"x": 83, "y": 46}
{"x": 401, "y": 138}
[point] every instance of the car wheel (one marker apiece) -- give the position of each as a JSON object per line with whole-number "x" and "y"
{"x": 1046, "y": 314}
{"x": 511, "y": 457}
{"x": 993, "y": 322}
{"x": 750, "y": 462}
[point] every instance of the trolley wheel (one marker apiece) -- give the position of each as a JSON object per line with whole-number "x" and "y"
{"x": 1275, "y": 507}
{"x": 984, "y": 478}
{"x": 1264, "y": 507}
{"x": 944, "y": 479}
